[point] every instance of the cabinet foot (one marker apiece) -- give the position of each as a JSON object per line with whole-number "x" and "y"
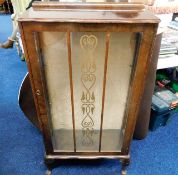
{"x": 125, "y": 163}
{"x": 50, "y": 163}
{"x": 48, "y": 172}
{"x": 123, "y": 171}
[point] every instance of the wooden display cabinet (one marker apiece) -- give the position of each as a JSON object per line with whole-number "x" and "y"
{"x": 87, "y": 64}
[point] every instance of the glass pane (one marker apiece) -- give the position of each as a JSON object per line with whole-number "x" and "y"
{"x": 88, "y": 53}
{"x": 88, "y": 56}
{"x": 120, "y": 60}
{"x": 55, "y": 60}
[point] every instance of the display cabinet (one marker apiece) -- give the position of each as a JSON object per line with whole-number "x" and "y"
{"x": 87, "y": 63}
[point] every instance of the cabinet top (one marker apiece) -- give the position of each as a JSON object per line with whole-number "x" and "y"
{"x": 88, "y": 12}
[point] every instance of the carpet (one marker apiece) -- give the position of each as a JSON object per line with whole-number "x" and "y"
{"x": 21, "y": 145}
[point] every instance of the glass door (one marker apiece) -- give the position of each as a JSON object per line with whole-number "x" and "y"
{"x": 87, "y": 77}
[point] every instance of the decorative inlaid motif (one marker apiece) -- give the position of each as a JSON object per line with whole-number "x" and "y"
{"x": 88, "y": 78}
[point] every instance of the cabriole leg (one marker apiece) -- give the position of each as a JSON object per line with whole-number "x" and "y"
{"x": 125, "y": 163}
{"x": 49, "y": 163}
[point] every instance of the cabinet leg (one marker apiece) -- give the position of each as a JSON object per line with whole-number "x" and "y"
{"x": 123, "y": 171}
{"x": 125, "y": 163}
{"x": 50, "y": 164}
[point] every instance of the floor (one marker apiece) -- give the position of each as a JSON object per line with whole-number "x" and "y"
{"x": 21, "y": 145}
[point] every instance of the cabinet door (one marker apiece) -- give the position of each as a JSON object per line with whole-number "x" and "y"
{"x": 87, "y": 77}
